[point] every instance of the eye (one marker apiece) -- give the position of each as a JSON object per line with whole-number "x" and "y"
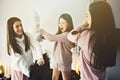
{"x": 21, "y": 25}
{"x": 17, "y": 26}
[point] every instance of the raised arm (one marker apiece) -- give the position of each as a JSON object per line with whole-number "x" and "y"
{"x": 52, "y": 37}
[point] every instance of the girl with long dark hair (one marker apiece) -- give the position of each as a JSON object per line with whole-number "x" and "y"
{"x": 96, "y": 41}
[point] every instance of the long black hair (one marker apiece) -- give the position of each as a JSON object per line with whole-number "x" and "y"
{"x": 11, "y": 42}
{"x": 103, "y": 25}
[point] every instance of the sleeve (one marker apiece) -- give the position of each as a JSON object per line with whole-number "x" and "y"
{"x": 18, "y": 62}
{"x": 74, "y": 38}
{"x": 78, "y": 28}
{"x": 37, "y": 48}
{"x": 51, "y": 37}
{"x": 39, "y": 51}
{"x": 15, "y": 56}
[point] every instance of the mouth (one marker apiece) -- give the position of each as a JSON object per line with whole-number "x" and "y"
{"x": 61, "y": 29}
{"x": 19, "y": 31}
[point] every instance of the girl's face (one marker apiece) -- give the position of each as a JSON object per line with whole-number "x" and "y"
{"x": 63, "y": 24}
{"x": 88, "y": 18}
{"x": 18, "y": 29}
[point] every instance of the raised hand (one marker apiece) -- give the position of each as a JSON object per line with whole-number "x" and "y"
{"x": 37, "y": 19}
{"x": 85, "y": 23}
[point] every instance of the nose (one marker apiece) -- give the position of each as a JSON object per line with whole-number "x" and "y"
{"x": 20, "y": 27}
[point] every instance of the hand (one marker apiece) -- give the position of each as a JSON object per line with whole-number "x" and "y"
{"x": 38, "y": 30}
{"x": 39, "y": 35}
{"x": 37, "y": 19}
{"x": 41, "y": 62}
{"x": 85, "y": 23}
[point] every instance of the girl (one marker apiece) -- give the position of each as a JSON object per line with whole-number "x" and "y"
{"x": 62, "y": 48}
{"x": 96, "y": 42}
{"x": 22, "y": 49}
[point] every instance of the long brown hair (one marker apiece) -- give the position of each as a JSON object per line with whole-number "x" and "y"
{"x": 104, "y": 27}
{"x": 68, "y": 18}
{"x": 11, "y": 41}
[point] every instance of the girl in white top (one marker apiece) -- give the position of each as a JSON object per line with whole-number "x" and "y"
{"x": 22, "y": 48}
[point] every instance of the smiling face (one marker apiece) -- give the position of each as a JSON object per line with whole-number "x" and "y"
{"x": 18, "y": 29}
{"x": 63, "y": 24}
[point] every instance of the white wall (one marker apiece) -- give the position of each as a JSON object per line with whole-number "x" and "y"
{"x": 116, "y": 11}
{"x": 113, "y": 73}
